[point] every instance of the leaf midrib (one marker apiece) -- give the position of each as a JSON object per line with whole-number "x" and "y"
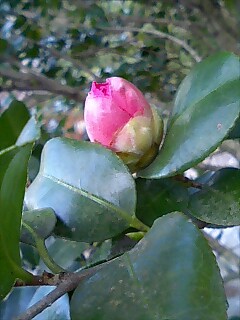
{"x": 102, "y": 202}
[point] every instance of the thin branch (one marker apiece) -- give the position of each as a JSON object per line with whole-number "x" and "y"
{"x": 42, "y": 250}
{"x": 188, "y": 182}
{"x": 68, "y": 283}
{"x": 141, "y": 19}
{"x": 46, "y": 279}
{"x": 29, "y": 81}
{"x": 222, "y": 250}
{"x": 65, "y": 282}
{"x": 159, "y": 34}
{"x": 76, "y": 63}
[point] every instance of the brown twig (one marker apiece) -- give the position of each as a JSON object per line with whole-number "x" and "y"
{"x": 30, "y": 81}
{"x": 66, "y": 283}
{"x": 46, "y": 279}
{"x": 158, "y": 34}
{"x": 76, "y": 63}
{"x": 188, "y": 182}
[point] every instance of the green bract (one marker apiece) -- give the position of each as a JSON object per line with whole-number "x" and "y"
{"x": 140, "y": 140}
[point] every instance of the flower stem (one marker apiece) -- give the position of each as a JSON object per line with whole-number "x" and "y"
{"x": 43, "y": 252}
{"x": 137, "y": 224}
{"x": 46, "y": 258}
{"x": 136, "y": 235}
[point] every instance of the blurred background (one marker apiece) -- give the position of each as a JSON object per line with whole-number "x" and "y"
{"x": 51, "y": 51}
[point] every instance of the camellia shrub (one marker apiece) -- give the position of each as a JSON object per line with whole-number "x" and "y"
{"x": 113, "y": 224}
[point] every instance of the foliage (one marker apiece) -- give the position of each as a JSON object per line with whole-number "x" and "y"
{"x": 106, "y": 242}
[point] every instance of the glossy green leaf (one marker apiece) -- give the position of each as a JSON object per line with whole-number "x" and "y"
{"x": 235, "y": 132}
{"x": 13, "y": 177}
{"x": 19, "y": 298}
{"x": 41, "y": 221}
{"x": 12, "y": 122}
{"x": 6, "y": 156}
{"x": 170, "y": 274}
{"x": 12, "y": 183}
{"x": 30, "y": 132}
{"x": 219, "y": 202}
{"x": 88, "y": 187}
{"x": 65, "y": 253}
{"x": 206, "y": 77}
{"x": 59, "y": 310}
{"x": 30, "y": 256}
{"x": 3, "y": 45}
{"x": 159, "y": 197}
{"x": 33, "y": 167}
{"x": 99, "y": 253}
{"x": 206, "y": 108}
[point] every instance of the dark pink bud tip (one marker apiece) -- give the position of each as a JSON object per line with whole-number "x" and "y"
{"x": 100, "y": 89}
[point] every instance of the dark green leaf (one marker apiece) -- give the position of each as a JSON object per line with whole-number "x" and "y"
{"x": 158, "y": 197}
{"x": 33, "y": 167}
{"x": 170, "y": 274}
{"x": 20, "y": 21}
{"x": 235, "y": 132}
{"x": 32, "y": 51}
{"x": 87, "y": 186}
{"x": 6, "y": 157}
{"x": 30, "y": 132}
{"x": 206, "y": 108}
{"x": 3, "y": 45}
{"x": 65, "y": 253}
{"x": 32, "y": 32}
{"x": 12, "y": 122}
{"x": 100, "y": 253}
{"x": 11, "y": 202}
{"x": 206, "y": 77}
{"x": 41, "y": 221}
{"x": 219, "y": 203}
{"x": 30, "y": 256}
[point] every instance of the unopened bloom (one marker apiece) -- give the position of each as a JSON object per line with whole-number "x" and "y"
{"x": 118, "y": 116}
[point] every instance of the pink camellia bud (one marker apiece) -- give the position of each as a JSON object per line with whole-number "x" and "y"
{"x": 118, "y": 116}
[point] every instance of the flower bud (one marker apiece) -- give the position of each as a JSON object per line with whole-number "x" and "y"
{"x": 118, "y": 116}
